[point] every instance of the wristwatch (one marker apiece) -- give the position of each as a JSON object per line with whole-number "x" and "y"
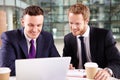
{"x": 109, "y": 71}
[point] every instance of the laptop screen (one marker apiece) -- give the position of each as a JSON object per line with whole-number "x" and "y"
{"x": 42, "y": 68}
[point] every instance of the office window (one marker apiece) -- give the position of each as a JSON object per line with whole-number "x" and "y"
{"x": 104, "y": 14}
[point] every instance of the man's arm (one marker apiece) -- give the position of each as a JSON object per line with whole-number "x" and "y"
{"x": 7, "y": 55}
{"x": 53, "y": 49}
{"x": 112, "y": 54}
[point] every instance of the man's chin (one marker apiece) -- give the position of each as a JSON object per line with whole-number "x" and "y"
{"x": 74, "y": 34}
{"x": 34, "y": 37}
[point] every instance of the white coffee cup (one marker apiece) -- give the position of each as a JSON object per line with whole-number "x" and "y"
{"x": 4, "y": 73}
{"x": 91, "y": 69}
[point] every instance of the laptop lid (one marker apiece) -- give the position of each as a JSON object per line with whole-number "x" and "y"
{"x": 42, "y": 68}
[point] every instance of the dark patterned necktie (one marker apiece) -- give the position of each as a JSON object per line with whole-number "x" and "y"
{"x": 32, "y": 49}
{"x": 83, "y": 51}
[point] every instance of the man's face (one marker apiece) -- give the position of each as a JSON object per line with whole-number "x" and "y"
{"x": 77, "y": 24}
{"x": 32, "y": 25}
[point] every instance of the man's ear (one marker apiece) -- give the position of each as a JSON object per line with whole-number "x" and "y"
{"x": 22, "y": 21}
{"x": 87, "y": 21}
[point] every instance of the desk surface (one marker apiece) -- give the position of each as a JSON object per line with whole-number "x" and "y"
{"x": 68, "y": 78}
{"x": 74, "y": 75}
{"x": 71, "y": 78}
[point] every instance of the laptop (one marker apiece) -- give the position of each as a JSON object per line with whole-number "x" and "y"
{"x": 42, "y": 68}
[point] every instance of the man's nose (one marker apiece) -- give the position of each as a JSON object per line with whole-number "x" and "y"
{"x": 34, "y": 28}
{"x": 74, "y": 26}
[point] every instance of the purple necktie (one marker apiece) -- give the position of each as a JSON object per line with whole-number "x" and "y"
{"x": 32, "y": 49}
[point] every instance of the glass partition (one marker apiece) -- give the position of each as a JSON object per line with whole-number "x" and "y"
{"x": 104, "y": 14}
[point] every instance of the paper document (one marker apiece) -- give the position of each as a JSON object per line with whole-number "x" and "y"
{"x": 76, "y": 73}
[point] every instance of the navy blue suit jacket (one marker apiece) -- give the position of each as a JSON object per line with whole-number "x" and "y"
{"x": 14, "y": 46}
{"x": 102, "y": 49}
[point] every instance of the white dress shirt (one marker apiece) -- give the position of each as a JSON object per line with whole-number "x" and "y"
{"x": 28, "y": 42}
{"x": 87, "y": 47}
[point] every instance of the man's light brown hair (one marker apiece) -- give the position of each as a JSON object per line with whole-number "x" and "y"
{"x": 79, "y": 8}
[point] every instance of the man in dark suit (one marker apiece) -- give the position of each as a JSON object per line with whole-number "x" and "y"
{"x": 16, "y": 43}
{"x": 99, "y": 44}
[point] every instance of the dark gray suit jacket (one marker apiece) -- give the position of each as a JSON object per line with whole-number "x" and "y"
{"x": 14, "y": 46}
{"x": 102, "y": 49}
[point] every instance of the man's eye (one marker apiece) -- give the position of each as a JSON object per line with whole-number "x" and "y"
{"x": 38, "y": 25}
{"x": 30, "y": 25}
{"x": 77, "y": 24}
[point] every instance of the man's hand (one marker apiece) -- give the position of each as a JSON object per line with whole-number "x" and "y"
{"x": 71, "y": 67}
{"x": 102, "y": 74}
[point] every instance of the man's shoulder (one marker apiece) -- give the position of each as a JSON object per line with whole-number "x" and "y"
{"x": 99, "y": 30}
{"x": 69, "y": 37}
{"x": 69, "y": 34}
{"x": 45, "y": 33}
{"x": 12, "y": 33}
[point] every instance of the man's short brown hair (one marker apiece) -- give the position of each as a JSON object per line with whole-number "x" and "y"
{"x": 80, "y": 9}
{"x": 33, "y": 10}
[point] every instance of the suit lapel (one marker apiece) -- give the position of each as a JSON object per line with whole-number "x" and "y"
{"x": 23, "y": 43}
{"x": 75, "y": 45}
{"x": 92, "y": 43}
{"x": 39, "y": 46}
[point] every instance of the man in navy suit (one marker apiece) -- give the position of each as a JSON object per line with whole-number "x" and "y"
{"x": 99, "y": 44}
{"x": 15, "y": 43}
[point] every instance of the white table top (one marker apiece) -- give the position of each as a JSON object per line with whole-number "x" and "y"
{"x": 76, "y": 74}
{"x": 68, "y": 78}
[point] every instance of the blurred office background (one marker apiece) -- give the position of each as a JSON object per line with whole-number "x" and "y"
{"x": 104, "y": 14}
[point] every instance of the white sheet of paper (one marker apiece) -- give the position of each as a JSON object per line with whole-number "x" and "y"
{"x": 76, "y": 73}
